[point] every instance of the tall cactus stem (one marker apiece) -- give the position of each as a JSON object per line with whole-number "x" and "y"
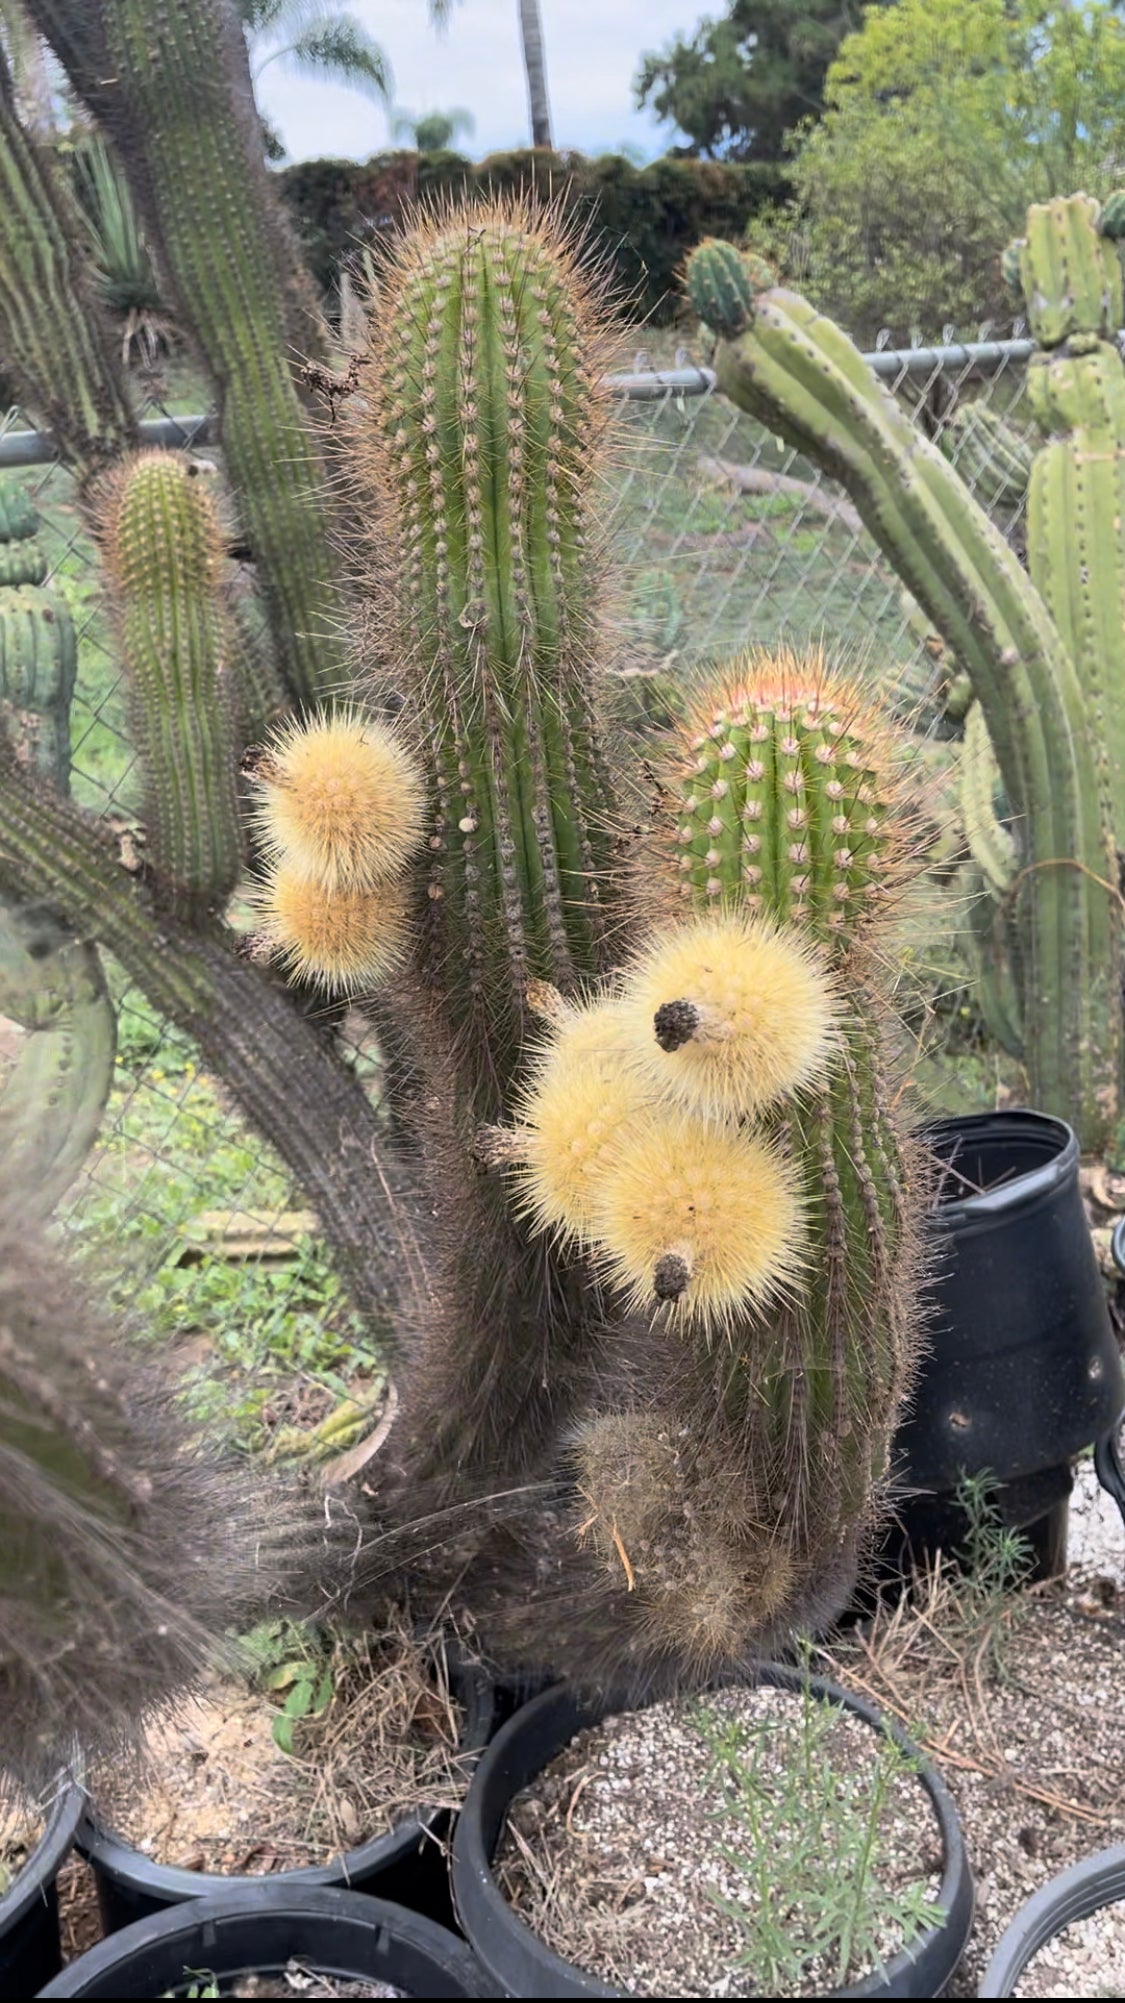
{"x": 162, "y": 547}
{"x": 168, "y": 82}
{"x": 55, "y": 340}
{"x": 480, "y": 435}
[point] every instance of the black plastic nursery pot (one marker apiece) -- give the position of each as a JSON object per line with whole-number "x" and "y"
{"x": 407, "y": 1865}
{"x": 519, "y": 1963}
{"x": 1021, "y": 1370}
{"x": 237, "y": 1933}
{"x": 1075, "y": 1894}
{"x": 30, "y": 1952}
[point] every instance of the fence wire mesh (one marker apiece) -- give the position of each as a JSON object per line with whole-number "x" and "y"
{"x": 721, "y": 537}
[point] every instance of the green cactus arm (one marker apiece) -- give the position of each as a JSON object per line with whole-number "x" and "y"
{"x": 162, "y": 548}
{"x": 1076, "y": 542}
{"x": 56, "y": 344}
{"x": 993, "y": 849}
{"x": 992, "y": 948}
{"x": 284, "y": 1076}
{"x": 38, "y": 667}
{"x": 165, "y": 79}
{"x": 991, "y": 457}
{"x": 19, "y": 517}
{"x": 1069, "y": 272}
{"x": 54, "y": 1093}
{"x": 800, "y": 374}
{"x": 479, "y": 435}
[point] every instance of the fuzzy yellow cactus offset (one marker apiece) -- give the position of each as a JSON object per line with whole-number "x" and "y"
{"x": 703, "y": 1218}
{"x": 348, "y": 941}
{"x": 729, "y": 1014}
{"x": 338, "y": 800}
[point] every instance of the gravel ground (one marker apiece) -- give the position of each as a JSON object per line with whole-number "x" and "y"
{"x": 1096, "y": 1539}
{"x": 1086, "y": 1959}
{"x": 1029, "y": 1737}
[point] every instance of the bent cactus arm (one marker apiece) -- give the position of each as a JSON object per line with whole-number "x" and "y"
{"x": 796, "y": 371}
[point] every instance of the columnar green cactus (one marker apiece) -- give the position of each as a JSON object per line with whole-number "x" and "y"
{"x": 38, "y": 664}
{"x": 990, "y": 456}
{"x": 1069, "y": 273}
{"x": 782, "y": 806}
{"x": 54, "y": 1094}
{"x": 52, "y": 331}
{"x": 1076, "y": 501}
{"x": 51, "y": 983}
{"x": 796, "y": 371}
{"x": 163, "y": 550}
{"x": 160, "y": 76}
{"x": 479, "y": 430}
{"x": 751, "y": 1476}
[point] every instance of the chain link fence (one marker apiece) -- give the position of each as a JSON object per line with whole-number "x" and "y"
{"x": 722, "y": 537}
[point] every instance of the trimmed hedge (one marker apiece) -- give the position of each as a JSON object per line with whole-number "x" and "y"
{"x": 644, "y": 219}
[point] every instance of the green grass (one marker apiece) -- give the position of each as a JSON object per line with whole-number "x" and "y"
{"x": 268, "y": 1339}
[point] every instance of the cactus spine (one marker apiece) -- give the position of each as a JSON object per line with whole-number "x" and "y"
{"x": 162, "y": 550}
{"x": 797, "y": 372}
{"x": 482, "y": 439}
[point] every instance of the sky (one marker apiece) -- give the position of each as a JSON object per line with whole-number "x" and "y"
{"x": 592, "y": 47}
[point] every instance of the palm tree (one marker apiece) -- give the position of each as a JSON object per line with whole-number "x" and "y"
{"x": 434, "y": 130}
{"x": 318, "y": 38}
{"x": 534, "y": 62}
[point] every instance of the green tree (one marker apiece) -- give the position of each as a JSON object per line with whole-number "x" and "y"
{"x": 944, "y": 119}
{"x": 737, "y": 85}
{"x": 317, "y": 38}
{"x": 433, "y": 131}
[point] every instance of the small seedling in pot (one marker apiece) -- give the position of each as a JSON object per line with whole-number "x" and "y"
{"x": 808, "y": 1843}
{"x": 295, "y": 1665}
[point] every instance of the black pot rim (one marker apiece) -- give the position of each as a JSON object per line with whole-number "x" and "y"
{"x": 1074, "y": 1894}
{"x": 1021, "y": 1190}
{"x": 42, "y": 1867}
{"x": 920, "y": 1969}
{"x": 327, "y": 1905}
{"x": 111, "y": 1857}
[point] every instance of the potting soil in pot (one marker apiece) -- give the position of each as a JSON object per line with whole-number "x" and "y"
{"x": 218, "y": 1794}
{"x": 21, "y": 1826}
{"x": 750, "y": 1842}
{"x": 1085, "y": 1959}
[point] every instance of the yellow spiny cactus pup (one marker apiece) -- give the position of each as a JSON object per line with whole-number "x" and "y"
{"x": 729, "y": 1014}
{"x": 705, "y": 1218}
{"x": 338, "y": 800}
{"x": 348, "y": 941}
{"x": 580, "y": 1103}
